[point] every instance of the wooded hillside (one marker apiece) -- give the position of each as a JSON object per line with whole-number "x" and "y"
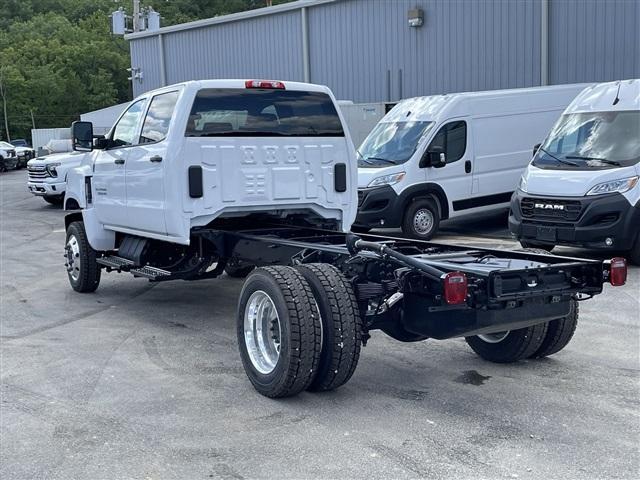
{"x": 58, "y": 58}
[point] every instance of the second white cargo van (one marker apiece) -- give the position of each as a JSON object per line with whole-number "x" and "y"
{"x": 439, "y": 157}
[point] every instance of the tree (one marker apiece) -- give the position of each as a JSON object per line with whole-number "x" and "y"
{"x": 58, "y": 58}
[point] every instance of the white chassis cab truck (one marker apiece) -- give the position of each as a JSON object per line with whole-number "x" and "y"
{"x": 258, "y": 179}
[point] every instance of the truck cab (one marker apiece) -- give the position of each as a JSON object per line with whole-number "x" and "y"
{"x": 582, "y": 186}
{"x": 183, "y": 156}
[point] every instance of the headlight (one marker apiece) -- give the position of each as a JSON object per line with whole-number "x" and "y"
{"x": 51, "y": 168}
{"x": 522, "y": 184}
{"x": 620, "y": 186}
{"x": 390, "y": 179}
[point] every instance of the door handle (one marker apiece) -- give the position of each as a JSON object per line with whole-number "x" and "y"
{"x": 467, "y": 166}
{"x": 156, "y": 158}
{"x": 119, "y": 161}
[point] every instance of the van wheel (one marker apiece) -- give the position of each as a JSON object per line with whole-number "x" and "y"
{"x": 422, "y": 219}
{"x": 559, "y": 333}
{"x": 82, "y": 269}
{"x": 54, "y": 199}
{"x": 509, "y": 346}
{"x": 534, "y": 245}
{"x": 278, "y": 331}
{"x": 341, "y": 325}
{"x": 634, "y": 253}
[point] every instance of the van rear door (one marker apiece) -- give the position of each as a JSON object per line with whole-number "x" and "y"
{"x": 269, "y": 148}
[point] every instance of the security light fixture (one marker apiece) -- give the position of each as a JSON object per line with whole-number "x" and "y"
{"x": 416, "y": 17}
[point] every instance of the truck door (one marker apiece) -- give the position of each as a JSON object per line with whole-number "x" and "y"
{"x": 455, "y": 177}
{"x": 110, "y": 169}
{"x": 146, "y": 166}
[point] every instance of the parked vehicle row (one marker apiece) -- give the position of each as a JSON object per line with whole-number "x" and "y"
{"x": 15, "y": 155}
{"x": 445, "y": 156}
{"x": 436, "y": 158}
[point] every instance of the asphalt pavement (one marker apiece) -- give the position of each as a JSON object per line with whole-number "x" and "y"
{"x": 144, "y": 381}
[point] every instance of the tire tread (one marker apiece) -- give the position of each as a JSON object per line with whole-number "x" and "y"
{"x": 340, "y": 360}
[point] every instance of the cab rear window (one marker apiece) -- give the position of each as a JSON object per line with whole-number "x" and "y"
{"x": 224, "y": 112}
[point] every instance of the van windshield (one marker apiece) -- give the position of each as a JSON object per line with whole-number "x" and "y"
{"x": 232, "y": 112}
{"x": 391, "y": 143}
{"x": 592, "y": 140}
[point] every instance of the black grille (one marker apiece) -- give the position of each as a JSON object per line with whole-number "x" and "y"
{"x": 360, "y": 197}
{"x": 544, "y": 208}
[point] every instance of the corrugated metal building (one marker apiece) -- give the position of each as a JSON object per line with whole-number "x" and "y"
{"x": 366, "y": 51}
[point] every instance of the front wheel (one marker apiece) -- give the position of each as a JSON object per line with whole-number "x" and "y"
{"x": 422, "y": 219}
{"x": 509, "y": 346}
{"x": 82, "y": 269}
{"x": 54, "y": 199}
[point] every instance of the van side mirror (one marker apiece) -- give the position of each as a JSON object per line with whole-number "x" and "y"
{"x": 535, "y": 148}
{"x": 82, "y": 136}
{"x": 434, "y": 157}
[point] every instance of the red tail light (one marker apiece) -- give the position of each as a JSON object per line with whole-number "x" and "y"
{"x": 618, "y": 271}
{"x": 273, "y": 84}
{"x": 454, "y": 285}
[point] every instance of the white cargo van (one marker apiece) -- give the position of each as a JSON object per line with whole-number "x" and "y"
{"x": 582, "y": 187}
{"x": 439, "y": 157}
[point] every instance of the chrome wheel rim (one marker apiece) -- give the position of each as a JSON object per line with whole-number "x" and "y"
{"x": 423, "y": 221}
{"x": 262, "y": 332}
{"x": 73, "y": 257}
{"x": 494, "y": 337}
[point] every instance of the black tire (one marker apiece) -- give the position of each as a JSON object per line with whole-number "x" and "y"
{"x": 559, "y": 333}
{"x": 536, "y": 246}
{"x": 54, "y": 199}
{"x": 634, "y": 253}
{"x": 421, "y": 208}
{"x": 238, "y": 271}
{"x": 87, "y": 277}
{"x": 300, "y": 331}
{"x": 341, "y": 325}
{"x": 516, "y": 345}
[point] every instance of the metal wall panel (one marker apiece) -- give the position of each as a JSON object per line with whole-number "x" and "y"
{"x": 594, "y": 41}
{"x": 145, "y": 55}
{"x": 366, "y": 51}
{"x": 264, "y": 47}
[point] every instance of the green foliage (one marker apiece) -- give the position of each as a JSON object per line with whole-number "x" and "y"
{"x": 58, "y": 58}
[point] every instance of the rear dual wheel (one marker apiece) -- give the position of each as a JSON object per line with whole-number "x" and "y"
{"x": 298, "y": 328}
{"x": 537, "y": 341}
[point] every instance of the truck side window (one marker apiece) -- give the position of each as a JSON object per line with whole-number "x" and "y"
{"x": 156, "y": 122}
{"x": 125, "y": 130}
{"x": 452, "y": 138}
